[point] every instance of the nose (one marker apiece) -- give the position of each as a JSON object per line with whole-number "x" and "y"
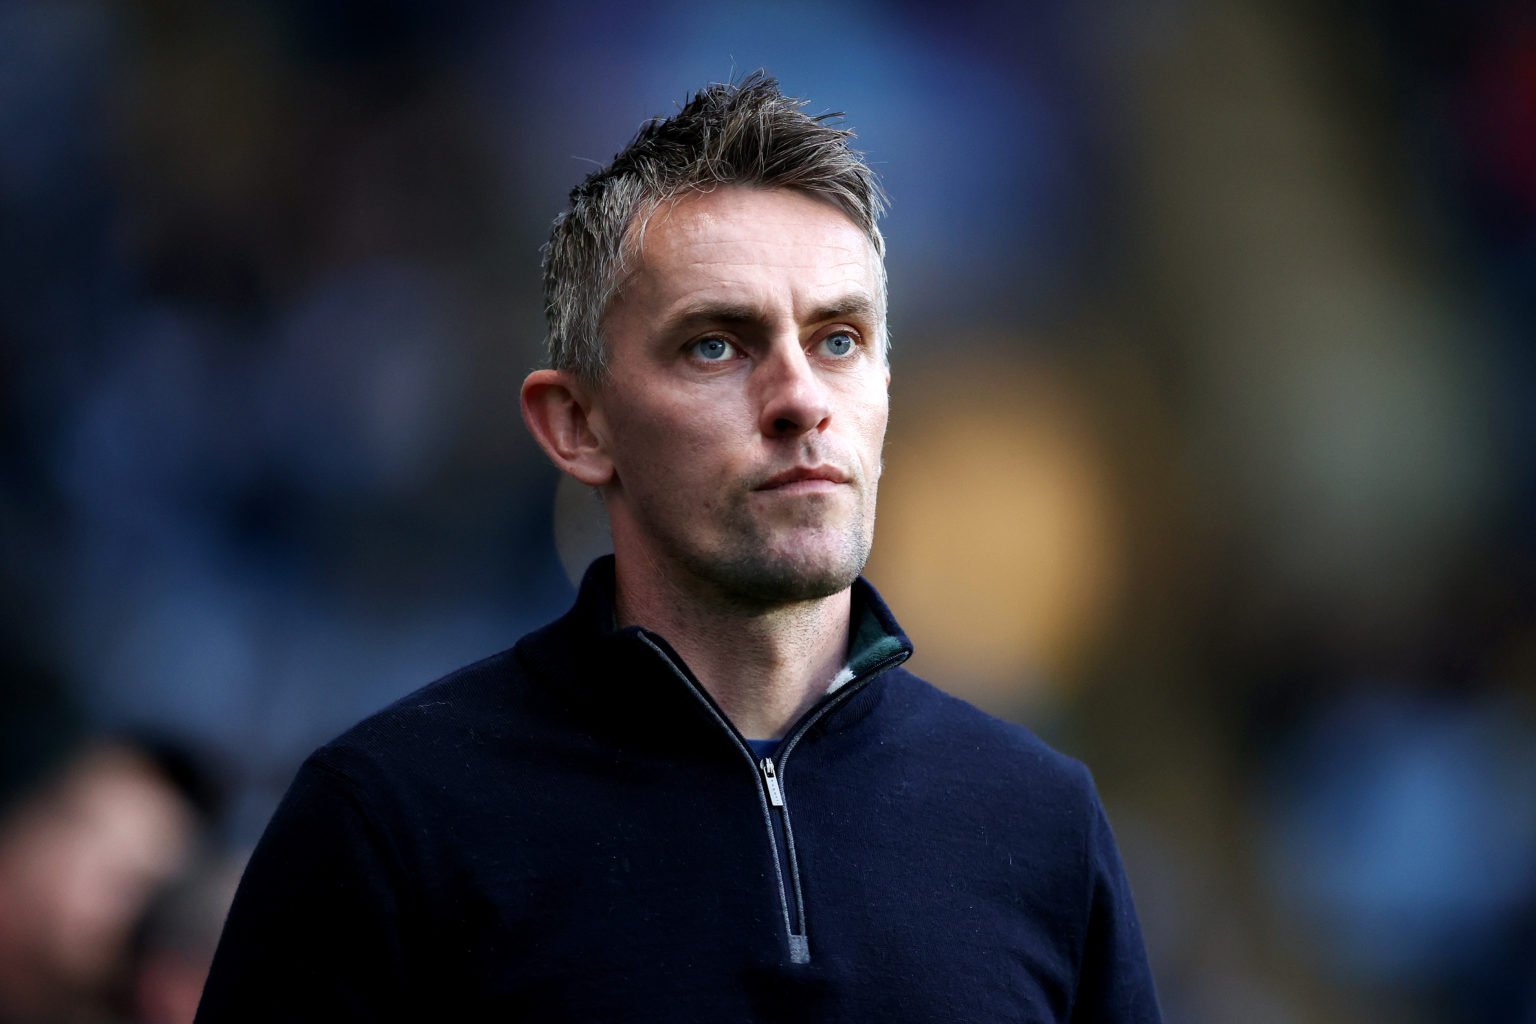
{"x": 794, "y": 398}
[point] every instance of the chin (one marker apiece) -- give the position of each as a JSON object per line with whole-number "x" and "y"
{"x": 765, "y": 577}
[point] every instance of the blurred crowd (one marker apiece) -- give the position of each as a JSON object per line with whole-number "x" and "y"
{"x": 1213, "y": 409}
{"x": 111, "y": 895}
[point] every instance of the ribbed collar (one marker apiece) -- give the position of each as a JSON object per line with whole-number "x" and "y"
{"x": 588, "y": 632}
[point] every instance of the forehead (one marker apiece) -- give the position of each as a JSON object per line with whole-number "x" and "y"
{"x": 774, "y": 248}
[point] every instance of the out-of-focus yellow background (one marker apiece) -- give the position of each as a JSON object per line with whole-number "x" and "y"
{"x": 1210, "y": 457}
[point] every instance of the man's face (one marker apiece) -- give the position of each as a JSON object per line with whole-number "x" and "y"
{"x": 746, "y": 401}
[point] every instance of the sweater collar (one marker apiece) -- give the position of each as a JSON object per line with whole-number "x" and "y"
{"x": 874, "y": 636}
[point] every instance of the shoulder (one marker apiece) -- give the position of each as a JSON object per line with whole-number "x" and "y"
{"x": 949, "y": 734}
{"x": 429, "y": 724}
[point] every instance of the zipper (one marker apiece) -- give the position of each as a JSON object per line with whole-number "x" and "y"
{"x": 789, "y": 881}
{"x": 771, "y": 790}
{"x": 771, "y": 780}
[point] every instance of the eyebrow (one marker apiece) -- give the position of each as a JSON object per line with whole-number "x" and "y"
{"x": 712, "y": 313}
{"x": 728, "y": 314}
{"x": 853, "y": 307}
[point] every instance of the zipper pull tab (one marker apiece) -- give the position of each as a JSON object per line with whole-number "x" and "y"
{"x": 771, "y": 779}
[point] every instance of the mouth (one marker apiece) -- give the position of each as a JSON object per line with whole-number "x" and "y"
{"x": 805, "y": 479}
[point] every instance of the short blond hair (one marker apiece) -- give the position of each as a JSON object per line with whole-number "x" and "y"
{"x": 747, "y": 133}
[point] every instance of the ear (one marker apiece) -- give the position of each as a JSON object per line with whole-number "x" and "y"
{"x": 557, "y": 409}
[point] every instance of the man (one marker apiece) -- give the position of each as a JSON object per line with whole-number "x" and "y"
{"x": 83, "y": 848}
{"x": 709, "y": 792}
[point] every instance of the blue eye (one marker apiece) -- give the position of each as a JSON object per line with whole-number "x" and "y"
{"x": 839, "y": 344}
{"x": 713, "y": 350}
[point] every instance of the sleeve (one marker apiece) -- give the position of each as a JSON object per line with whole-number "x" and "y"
{"x": 314, "y": 933}
{"x": 1114, "y": 984}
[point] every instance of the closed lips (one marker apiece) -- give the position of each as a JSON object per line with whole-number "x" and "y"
{"x": 799, "y": 474}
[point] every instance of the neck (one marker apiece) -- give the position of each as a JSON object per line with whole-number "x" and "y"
{"x": 764, "y": 667}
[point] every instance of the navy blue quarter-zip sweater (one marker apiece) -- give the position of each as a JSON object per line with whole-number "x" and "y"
{"x": 573, "y": 831}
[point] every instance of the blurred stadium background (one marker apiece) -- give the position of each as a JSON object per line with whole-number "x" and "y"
{"x": 1212, "y": 432}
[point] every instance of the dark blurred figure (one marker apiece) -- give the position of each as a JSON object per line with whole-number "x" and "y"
{"x": 176, "y": 939}
{"x": 81, "y": 853}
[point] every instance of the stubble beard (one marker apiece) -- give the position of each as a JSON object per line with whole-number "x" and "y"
{"x": 804, "y": 557}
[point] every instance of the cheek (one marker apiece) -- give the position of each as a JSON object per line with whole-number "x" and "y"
{"x": 668, "y": 453}
{"x": 872, "y": 424}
